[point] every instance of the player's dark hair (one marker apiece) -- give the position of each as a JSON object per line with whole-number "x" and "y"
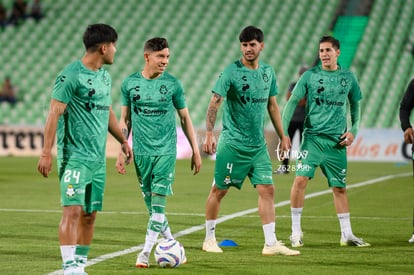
{"x": 156, "y": 44}
{"x": 96, "y": 34}
{"x": 331, "y": 39}
{"x": 250, "y": 33}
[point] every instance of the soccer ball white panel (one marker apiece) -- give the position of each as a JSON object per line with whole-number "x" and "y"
{"x": 169, "y": 253}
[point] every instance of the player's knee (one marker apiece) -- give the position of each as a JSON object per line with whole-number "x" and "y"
{"x": 340, "y": 191}
{"x": 89, "y": 218}
{"x": 266, "y": 190}
{"x": 72, "y": 212}
{"x": 218, "y": 194}
{"x": 301, "y": 182}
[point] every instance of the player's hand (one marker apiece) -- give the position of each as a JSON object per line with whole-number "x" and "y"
{"x": 126, "y": 149}
{"x": 196, "y": 162}
{"x": 286, "y": 144}
{"x": 209, "y": 145}
{"x": 120, "y": 164}
{"x": 283, "y": 148}
{"x": 347, "y": 139}
{"x": 408, "y": 135}
{"x": 44, "y": 166}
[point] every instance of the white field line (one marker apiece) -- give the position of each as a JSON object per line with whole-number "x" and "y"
{"x": 192, "y": 214}
{"x": 255, "y": 216}
{"x": 229, "y": 217}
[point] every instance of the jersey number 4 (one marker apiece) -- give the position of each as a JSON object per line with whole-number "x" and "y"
{"x": 230, "y": 167}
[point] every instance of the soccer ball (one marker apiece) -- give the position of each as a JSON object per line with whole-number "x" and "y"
{"x": 169, "y": 253}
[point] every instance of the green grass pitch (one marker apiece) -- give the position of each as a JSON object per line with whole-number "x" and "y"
{"x": 381, "y": 213}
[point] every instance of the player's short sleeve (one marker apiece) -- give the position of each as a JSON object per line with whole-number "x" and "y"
{"x": 274, "y": 90}
{"x": 125, "y": 99}
{"x": 178, "y": 96}
{"x": 355, "y": 93}
{"x": 223, "y": 83}
{"x": 300, "y": 88}
{"x": 65, "y": 86}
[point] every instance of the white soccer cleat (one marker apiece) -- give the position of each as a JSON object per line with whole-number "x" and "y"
{"x": 412, "y": 239}
{"x": 142, "y": 260}
{"x": 279, "y": 248}
{"x": 354, "y": 241}
{"x": 296, "y": 240}
{"x": 72, "y": 267}
{"x": 211, "y": 246}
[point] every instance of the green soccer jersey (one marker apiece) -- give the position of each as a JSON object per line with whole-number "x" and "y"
{"x": 327, "y": 93}
{"x": 247, "y": 93}
{"x": 153, "y": 104}
{"x": 83, "y": 127}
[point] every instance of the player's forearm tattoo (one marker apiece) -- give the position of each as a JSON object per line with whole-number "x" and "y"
{"x": 211, "y": 118}
{"x": 125, "y": 132}
{"x": 212, "y": 112}
{"x": 216, "y": 98}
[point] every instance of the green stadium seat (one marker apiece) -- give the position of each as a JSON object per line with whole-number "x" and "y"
{"x": 203, "y": 41}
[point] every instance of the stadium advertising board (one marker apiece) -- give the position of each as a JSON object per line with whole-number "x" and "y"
{"x": 379, "y": 145}
{"x": 21, "y": 141}
{"x": 370, "y": 144}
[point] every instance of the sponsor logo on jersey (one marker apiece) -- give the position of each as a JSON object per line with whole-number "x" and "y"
{"x": 245, "y": 87}
{"x": 149, "y": 112}
{"x": 259, "y": 100}
{"x": 102, "y": 108}
{"x": 145, "y": 111}
{"x": 335, "y": 103}
{"x": 90, "y": 105}
{"x": 320, "y": 101}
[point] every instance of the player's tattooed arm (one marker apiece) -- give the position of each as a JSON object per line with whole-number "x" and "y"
{"x": 125, "y": 132}
{"x": 125, "y": 121}
{"x": 213, "y": 107}
{"x": 209, "y": 143}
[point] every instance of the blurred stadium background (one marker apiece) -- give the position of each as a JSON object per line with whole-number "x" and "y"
{"x": 377, "y": 41}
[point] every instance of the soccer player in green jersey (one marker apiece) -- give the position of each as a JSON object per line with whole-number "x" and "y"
{"x": 406, "y": 107}
{"x": 150, "y": 99}
{"x": 250, "y": 89}
{"x": 81, "y": 115}
{"x": 328, "y": 88}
